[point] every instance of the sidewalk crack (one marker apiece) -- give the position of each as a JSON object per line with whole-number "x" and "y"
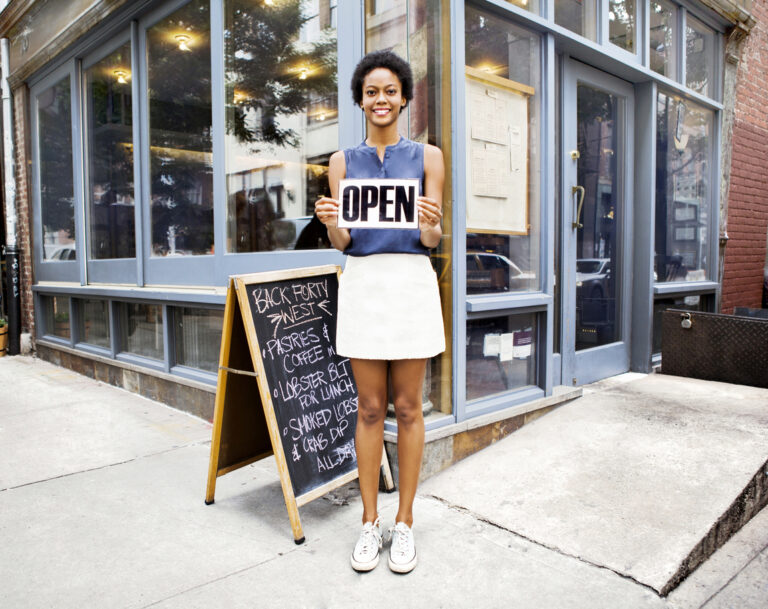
{"x": 480, "y": 518}
{"x": 105, "y": 466}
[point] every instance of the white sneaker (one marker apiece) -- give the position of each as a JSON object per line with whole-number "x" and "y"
{"x": 365, "y": 556}
{"x": 402, "y": 552}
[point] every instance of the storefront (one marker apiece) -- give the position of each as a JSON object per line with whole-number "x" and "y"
{"x": 172, "y": 144}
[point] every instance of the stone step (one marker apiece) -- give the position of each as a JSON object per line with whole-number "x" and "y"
{"x": 645, "y": 475}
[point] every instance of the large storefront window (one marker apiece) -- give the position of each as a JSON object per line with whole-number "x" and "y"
{"x": 417, "y": 30}
{"x": 503, "y": 85}
{"x": 110, "y": 157}
{"x": 57, "y": 197}
{"x": 181, "y": 159}
{"x": 282, "y": 121}
{"x": 683, "y": 174}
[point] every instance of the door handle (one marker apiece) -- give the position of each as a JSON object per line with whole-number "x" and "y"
{"x": 580, "y": 190}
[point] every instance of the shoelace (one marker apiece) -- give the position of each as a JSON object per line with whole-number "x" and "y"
{"x": 369, "y": 539}
{"x": 400, "y": 542}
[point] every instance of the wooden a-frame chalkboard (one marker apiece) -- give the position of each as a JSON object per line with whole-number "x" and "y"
{"x": 282, "y": 389}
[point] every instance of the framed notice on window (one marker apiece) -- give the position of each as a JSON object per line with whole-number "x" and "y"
{"x": 497, "y": 154}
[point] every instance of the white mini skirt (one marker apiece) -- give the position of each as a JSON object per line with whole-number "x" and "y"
{"x": 389, "y": 308}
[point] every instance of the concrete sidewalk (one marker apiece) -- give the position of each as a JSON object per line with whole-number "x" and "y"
{"x": 101, "y": 505}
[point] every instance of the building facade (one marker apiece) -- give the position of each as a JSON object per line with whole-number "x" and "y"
{"x": 162, "y": 146}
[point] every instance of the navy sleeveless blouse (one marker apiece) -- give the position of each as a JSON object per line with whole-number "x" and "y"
{"x": 402, "y": 160}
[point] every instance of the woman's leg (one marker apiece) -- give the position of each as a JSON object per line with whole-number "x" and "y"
{"x": 371, "y": 380}
{"x": 407, "y": 382}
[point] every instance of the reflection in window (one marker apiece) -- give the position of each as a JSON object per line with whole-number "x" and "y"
{"x": 197, "y": 338}
{"x": 579, "y": 16}
{"x": 110, "y": 157}
{"x": 56, "y": 311}
{"x": 699, "y": 56}
{"x": 683, "y": 171}
{"x": 621, "y": 24}
{"x": 503, "y": 89}
{"x": 94, "y": 322}
{"x": 282, "y": 121}
{"x": 57, "y": 197}
{"x": 687, "y": 303}
{"x": 181, "y": 160}
{"x": 416, "y": 30}
{"x": 141, "y": 327}
{"x": 600, "y": 145}
{"x": 662, "y": 38}
{"x": 501, "y": 354}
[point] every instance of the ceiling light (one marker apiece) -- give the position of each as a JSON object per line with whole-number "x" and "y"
{"x": 183, "y": 39}
{"x": 303, "y": 74}
{"x": 122, "y": 76}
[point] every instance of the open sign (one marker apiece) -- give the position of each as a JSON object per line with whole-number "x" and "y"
{"x": 373, "y": 203}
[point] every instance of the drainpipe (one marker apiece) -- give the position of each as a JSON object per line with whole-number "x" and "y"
{"x": 13, "y": 305}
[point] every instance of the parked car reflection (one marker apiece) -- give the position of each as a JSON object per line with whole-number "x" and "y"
{"x": 488, "y": 272}
{"x": 595, "y": 298}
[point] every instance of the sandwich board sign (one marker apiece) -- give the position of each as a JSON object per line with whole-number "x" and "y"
{"x": 378, "y": 203}
{"x": 282, "y": 388}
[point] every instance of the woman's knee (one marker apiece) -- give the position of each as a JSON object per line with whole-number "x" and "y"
{"x": 371, "y": 410}
{"x": 408, "y": 410}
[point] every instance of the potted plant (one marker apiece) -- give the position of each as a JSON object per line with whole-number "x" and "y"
{"x": 3, "y": 336}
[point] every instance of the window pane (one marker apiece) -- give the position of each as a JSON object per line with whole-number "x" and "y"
{"x": 141, "y": 326}
{"x": 683, "y": 171}
{"x": 180, "y": 152}
{"x": 56, "y": 311}
{"x": 503, "y": 92}
{"x": 282, "y": 122}
{"x": 198, "y": 338}
{"x": 110, "y": 157}
{"x": 579, "y": 16}
{"x": 501, "y": 354}
{"x": 699, "y": 56}
{"x": 687, "y": 303}
{"x": 621, "y": 23}
{"x": 57, "y": 199}
{"x": 418, "y": 30}
{"x": 662, "y": 38}
{"x": 94, "y": 322}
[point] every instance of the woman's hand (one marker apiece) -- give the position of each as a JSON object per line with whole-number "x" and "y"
{"x": 327, "y": 211}
{"x": 430, "y": 215}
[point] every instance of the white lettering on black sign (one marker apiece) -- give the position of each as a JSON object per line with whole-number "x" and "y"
{"x": 313, "y": 390}
{"x": 378, "y": 203}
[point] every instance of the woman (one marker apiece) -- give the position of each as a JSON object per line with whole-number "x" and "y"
{"x": 389, "y": 305}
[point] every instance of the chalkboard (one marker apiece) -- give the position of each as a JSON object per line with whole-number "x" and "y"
{"x": 312, "y": 388}
{"x": 282, "y": 388}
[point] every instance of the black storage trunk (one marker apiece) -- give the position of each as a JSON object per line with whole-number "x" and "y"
{"x": 716, "y": 347}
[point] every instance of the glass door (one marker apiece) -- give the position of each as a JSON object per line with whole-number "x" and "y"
{"x": 596, "y": 215}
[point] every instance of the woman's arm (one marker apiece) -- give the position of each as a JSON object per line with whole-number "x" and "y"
{"x": 327, "y": 208}
{"x": 431, "y": 204}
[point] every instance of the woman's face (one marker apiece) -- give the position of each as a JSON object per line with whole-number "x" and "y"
{"x": 382, "y": 97}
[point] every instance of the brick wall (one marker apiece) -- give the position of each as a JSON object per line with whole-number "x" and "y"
{"x": 748, "y": 195}
{"x": 23, "y": 207}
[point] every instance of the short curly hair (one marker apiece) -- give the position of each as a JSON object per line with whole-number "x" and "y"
{"x": 383, "y": 59}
